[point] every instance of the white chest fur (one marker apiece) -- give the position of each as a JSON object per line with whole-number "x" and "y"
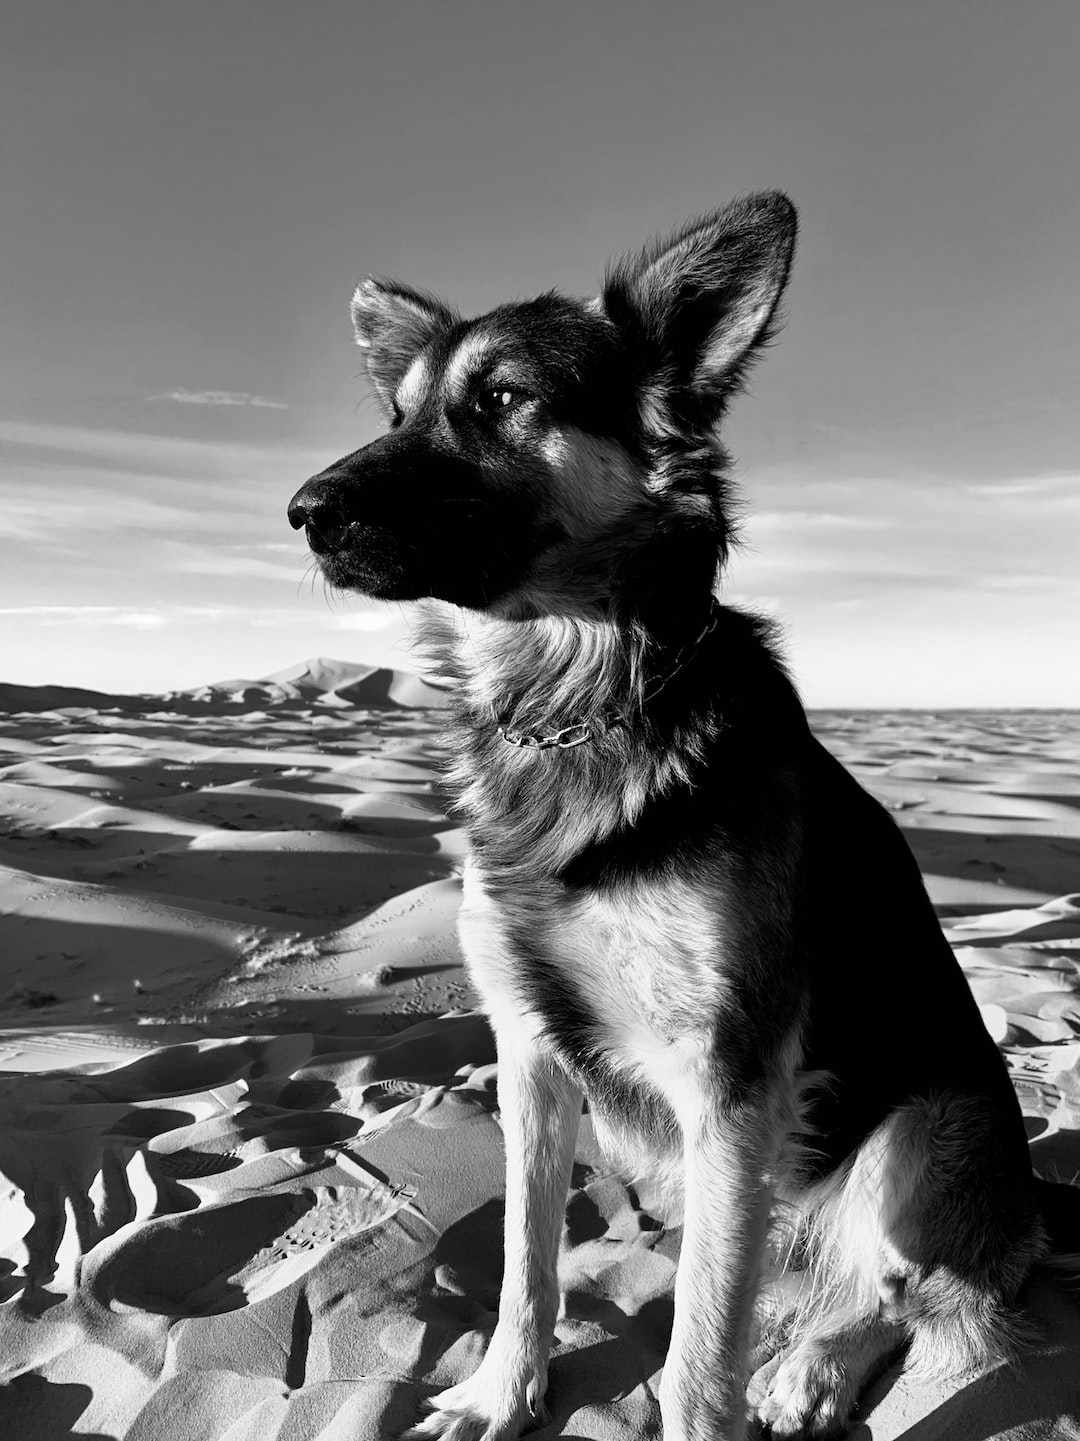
{"x": 645, "y": 961}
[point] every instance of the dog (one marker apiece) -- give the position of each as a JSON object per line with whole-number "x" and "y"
{"x": 673, "y": 898}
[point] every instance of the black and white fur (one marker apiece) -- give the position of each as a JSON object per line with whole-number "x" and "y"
{"x": 678, "y": 917}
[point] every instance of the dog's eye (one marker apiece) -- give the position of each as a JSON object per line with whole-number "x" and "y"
{"x": 498, "y": 399}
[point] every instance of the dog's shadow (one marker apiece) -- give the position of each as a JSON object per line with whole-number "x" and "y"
{"x": 608, "y": 1350}
{"x": 611, "y": 1350}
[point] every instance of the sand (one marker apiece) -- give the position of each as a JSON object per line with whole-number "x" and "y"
{"x": 250, "y": 1160}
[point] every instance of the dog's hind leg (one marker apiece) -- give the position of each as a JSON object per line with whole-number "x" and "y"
{"x": 837, "y": 1336}
{"x": 819, "y": 1380}
{"x": 925, "y": 1237}
{"x": 540, "y": 1111}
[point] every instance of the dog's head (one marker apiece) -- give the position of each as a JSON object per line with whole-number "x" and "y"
{"x": 555, "y": 453}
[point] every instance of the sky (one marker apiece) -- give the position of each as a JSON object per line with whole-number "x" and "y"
{"x": 191, "y": 192}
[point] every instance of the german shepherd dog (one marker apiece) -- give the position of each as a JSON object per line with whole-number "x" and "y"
{"x": 673, "y": 899}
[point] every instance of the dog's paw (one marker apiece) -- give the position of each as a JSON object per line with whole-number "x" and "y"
{"x": 811, "y": 1393}
{"x": 484, "y": 1407}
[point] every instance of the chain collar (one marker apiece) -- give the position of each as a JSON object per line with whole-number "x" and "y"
{"x": 575, "y": 735}
{"x": 583, "y": 731}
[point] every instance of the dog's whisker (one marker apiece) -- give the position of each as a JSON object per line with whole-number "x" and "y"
{"x": 311, "y": 570}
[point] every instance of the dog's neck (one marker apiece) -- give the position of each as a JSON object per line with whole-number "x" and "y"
{"x": 558, "y": 679}
{"x": 528, "y": 815}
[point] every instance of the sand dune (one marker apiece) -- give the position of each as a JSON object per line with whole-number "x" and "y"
{"x": 251, "y": 1158}
{"x": 322, "y": 682}
{"x": 318, "y": 682}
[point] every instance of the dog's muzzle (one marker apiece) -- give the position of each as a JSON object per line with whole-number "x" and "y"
{"x": 400, "y": 520}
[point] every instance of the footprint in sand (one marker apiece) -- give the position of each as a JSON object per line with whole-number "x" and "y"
{"x": 231, "y": 1254}
{"x": 175, "y": 1184}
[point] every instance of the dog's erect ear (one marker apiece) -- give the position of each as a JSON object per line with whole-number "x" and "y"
{"x": 392, "y": 325}
{"x": 700, "y": 302}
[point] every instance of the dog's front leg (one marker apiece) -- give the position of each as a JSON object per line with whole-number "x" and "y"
{"x": 728, "y": 1152}
{"x": 541, "y": 1111}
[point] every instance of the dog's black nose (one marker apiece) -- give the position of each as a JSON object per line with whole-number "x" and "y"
{"x": 327, "y": 527}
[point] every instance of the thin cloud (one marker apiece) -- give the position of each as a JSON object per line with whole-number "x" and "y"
{"x": 71, "y": 481}
{"x": 369, "y": 620}
{"x": 1055, "y": 487}
{"x": 209, "y": 563}
{"x": 35, "y": 516}
{"x": 823, "y": 519}
{"x": 89, "y": 615}
{"x": 179, "y": 458}
{"x": 151, "y": 617}
{"x": 219, "y": 397}
{"x": 902, "y": 543}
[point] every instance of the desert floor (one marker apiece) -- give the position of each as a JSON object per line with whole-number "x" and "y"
{"x": 250, "y": 1167}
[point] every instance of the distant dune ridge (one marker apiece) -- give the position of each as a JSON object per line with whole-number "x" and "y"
{"x": 312, "y": 682}
{"x": 250, "y": 1161}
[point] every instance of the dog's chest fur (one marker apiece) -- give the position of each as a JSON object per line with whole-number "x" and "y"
{"x": 627, "y": 981}
{"x": 620, "y": 973}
